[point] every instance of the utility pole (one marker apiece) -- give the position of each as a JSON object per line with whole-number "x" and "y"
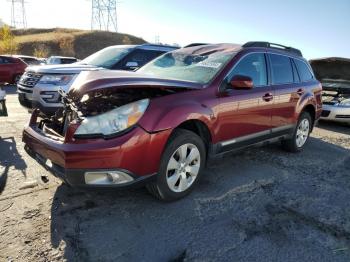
{"x": 18, "y": 14}
{"x": 157, "y": 39}
{"x": 104, "y": 15}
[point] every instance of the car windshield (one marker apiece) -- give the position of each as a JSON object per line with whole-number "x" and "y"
{"x": 187, "y": 67}
{"x": 106, "y": 57}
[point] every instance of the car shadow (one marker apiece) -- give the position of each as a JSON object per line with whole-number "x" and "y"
{"x": 335, "y": 127}
{"x": 9, "y": 157}
{"x": 131, "y": 225}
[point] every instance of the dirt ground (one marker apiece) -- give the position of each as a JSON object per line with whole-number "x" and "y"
{"x": 261, "y": 204}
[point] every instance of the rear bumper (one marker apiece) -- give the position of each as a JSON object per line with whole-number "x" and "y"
{"x": 136, "y": 153}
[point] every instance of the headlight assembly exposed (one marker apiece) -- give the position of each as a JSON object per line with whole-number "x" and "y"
{"x": 113, "y": 121}
{"x": 56, "y": 79}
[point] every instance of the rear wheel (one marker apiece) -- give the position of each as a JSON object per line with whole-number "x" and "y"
{"x": 181, "y": 165}
{"x": 300, "y": 135}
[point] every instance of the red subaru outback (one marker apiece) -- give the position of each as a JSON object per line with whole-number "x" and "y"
{"x": 160, "y": 125}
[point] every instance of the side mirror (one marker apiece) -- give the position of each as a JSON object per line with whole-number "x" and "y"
{"x": 132, "y": 65}
{"x": 241, "y": 82}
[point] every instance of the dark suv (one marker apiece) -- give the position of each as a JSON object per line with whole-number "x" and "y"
{"x": 161, "y": 124}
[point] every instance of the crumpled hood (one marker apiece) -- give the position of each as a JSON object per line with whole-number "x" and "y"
{"x": 75, "y": 68}
{"x": 107, "y": 79}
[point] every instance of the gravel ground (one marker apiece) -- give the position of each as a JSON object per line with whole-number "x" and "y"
{"x": 261, "y": 204}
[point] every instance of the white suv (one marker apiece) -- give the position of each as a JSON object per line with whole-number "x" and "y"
{"x": 39, "y": 85}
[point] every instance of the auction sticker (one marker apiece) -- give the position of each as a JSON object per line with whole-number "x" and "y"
{"x": 209, "y": 64}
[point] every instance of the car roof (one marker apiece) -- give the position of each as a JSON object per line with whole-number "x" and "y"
{"x": 206, "y": 49}
{"x": 157, "y": 47}
{"x": 210, "y": 49}
{"x": 64, "y": 57}
{"x": 24, "y": 56}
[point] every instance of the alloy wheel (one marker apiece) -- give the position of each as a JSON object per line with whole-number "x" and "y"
{"x": 183, "y": 167}
{"x": 302, "y": 132}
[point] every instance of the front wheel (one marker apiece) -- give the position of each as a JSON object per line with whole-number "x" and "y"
{"x": 300, "y": 135}
{"x": 181, "y": 165}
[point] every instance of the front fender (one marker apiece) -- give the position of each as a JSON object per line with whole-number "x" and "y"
{"x": 169, "y": 116}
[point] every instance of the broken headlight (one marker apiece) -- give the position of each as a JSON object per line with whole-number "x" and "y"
{"x": 113, "y": 121}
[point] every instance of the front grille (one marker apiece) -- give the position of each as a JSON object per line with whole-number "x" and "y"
{"x": 30, "y": 79}
{"x": 342, "y": 116}
{"x": 325, "y": 113}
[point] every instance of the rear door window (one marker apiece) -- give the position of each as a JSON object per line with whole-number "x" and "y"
{"x": 304, "y": 70}
{"x": 254, "y": 66}
{"x": 281, "y": 69}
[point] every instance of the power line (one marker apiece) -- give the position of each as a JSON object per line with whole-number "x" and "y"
{"x": 104, "y": 15}
{"x": 18, "y": 14}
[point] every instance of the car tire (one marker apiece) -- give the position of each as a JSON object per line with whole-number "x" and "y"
{"x": 300, "y": 134}
{"x": 181, "y": 165}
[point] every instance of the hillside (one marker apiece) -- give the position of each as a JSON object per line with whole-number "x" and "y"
{"x": 68, "y": 42}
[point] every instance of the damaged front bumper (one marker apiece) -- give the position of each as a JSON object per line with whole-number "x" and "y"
{"x": 91, "y": 177}
{"x": 127, "y": 160}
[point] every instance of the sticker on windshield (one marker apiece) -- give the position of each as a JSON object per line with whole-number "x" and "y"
{"x": 209, "y": 64}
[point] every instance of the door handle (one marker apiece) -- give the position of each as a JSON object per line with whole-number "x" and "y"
{"x": 267, "y": 97}
{"x": 300, "y": 91}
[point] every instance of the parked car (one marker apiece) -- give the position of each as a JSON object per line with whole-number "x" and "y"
{"x": 11, "y": 69}
{"x": 160, "y": 124}
{"x": 61, "y": 60}
{"x": 334, "y": 75}
{"x": 29, "y": 60}
{"x": 39, "y": 86}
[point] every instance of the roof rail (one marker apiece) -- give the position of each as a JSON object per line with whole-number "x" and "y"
{"x": 194, "y": 44}
{"x": 159, "y": 45}
{"x": 275, "y": 46}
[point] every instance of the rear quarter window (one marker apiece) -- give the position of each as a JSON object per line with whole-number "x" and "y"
{"x": 281, "y": 67}
{"x": 304, "y": 70}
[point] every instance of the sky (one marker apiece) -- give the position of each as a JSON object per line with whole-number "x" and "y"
{"x": 320, "y": 28}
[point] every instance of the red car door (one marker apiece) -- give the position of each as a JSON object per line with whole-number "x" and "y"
{"x": 245, "y": 115}
{"x": 287, "y": 91}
